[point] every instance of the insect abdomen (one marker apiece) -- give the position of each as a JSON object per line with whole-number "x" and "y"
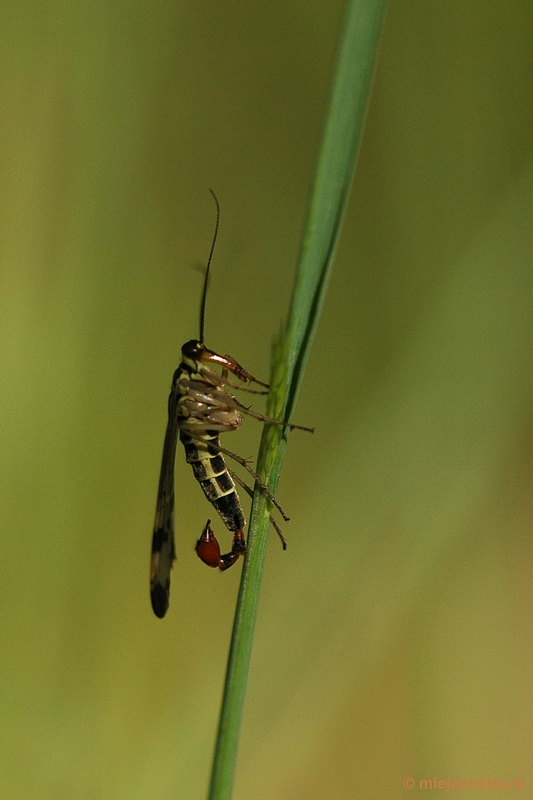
{"x": 212, "y": 474}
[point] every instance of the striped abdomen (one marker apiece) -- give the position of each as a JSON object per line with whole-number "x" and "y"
{"x": 211, "y": 472}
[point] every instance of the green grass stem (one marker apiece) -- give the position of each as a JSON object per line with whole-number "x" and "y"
{"x": 335, "y": 168}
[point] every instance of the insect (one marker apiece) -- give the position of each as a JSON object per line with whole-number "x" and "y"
{"x": 199, "y": 409}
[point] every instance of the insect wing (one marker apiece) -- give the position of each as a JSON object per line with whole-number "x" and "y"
{"x": 163, "y": 549}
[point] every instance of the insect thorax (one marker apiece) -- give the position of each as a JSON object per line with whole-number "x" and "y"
{"x": 204, "y": 404}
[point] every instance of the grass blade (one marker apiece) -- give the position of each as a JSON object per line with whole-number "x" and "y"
{"x": 335, "y": 168}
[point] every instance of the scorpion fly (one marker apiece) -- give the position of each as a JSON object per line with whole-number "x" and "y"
{"x": 199, "y": 409}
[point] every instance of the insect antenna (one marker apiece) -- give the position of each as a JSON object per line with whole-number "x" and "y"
{"x": 207, "y": 269}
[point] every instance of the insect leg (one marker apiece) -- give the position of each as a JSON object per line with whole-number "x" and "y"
{"x": 250, "y": 492}
{"x": 243, "y": 388}
{"x": 232, "y": 402}
{"x": 244, "y": 463}
{"x": 263, "y": 418}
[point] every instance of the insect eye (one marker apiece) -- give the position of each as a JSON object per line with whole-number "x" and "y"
{"x": 192, "y": 349}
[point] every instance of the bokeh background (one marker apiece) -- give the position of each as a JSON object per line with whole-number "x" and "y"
{"x": 395, "y": 634}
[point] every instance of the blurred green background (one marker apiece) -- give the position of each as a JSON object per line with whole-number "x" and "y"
{"x": 395, "y": 634}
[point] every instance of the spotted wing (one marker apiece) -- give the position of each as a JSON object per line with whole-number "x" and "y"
{"x": 163, "y": 549}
